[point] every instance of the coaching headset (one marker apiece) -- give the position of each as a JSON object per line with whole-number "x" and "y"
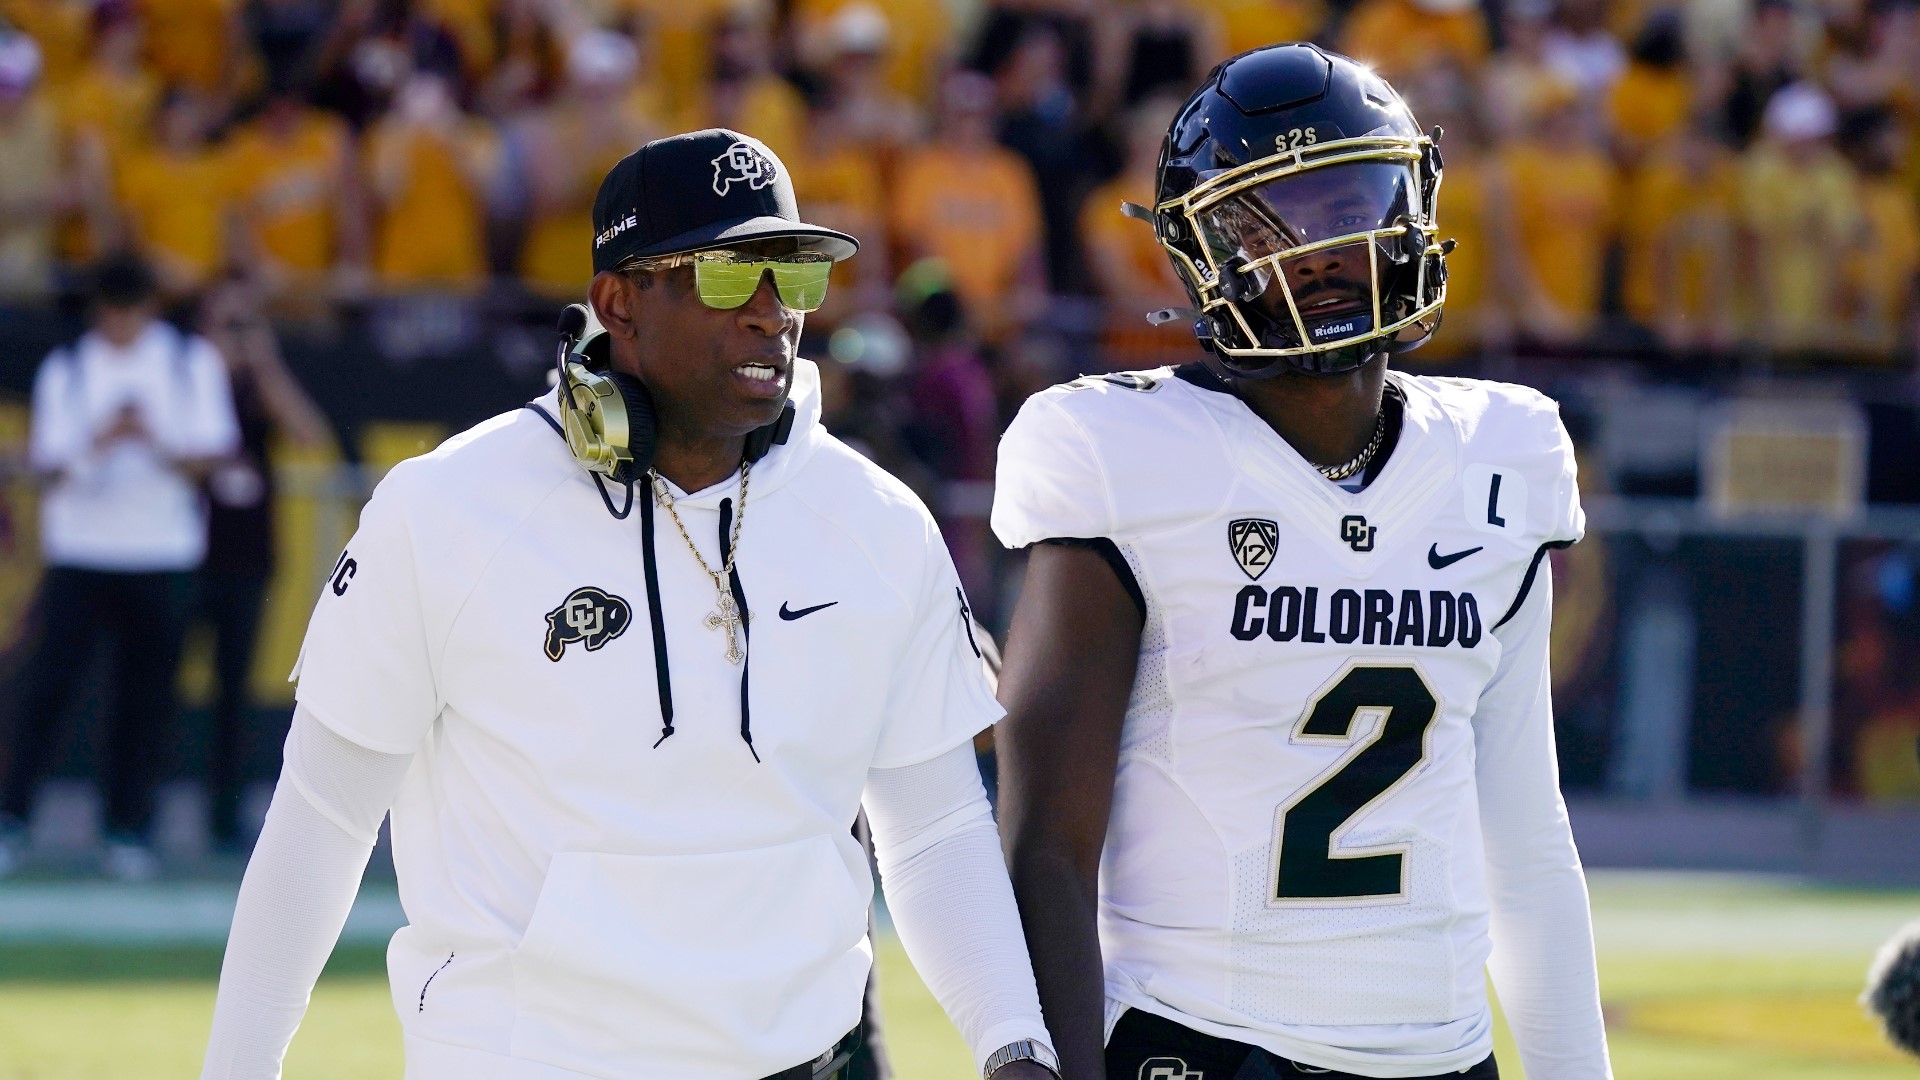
{"x": 607, "y": 416}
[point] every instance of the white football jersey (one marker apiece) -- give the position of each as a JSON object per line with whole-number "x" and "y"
{"x": 1294, "y": 857}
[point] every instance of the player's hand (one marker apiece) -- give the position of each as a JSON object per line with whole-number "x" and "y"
{"x": 1023, "y": 1070}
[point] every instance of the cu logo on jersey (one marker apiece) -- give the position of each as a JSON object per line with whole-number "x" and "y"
{"x": 1168, "y": 1068}
{"x": 743, "y": 163}
{"x": 588, "y": 615}
{"x": 1252, "y": 541}
{"x": 1357, "y": 533}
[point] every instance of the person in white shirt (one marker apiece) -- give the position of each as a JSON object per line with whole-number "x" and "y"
{"x": 125, "y": 422}
{"x": 1277, "y": 775}
{"x": 625, "y": 664}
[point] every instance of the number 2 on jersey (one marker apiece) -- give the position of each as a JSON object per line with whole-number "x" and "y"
{"x": 1382, "y": 712}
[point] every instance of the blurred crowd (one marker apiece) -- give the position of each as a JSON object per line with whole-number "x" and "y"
{"x": 1709, "y": 178}
{"x": 1721, "y": 184}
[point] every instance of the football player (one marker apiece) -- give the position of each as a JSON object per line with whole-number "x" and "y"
{"x": 1278, "y": 770}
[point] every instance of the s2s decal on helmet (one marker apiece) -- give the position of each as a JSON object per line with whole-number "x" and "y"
{"x": 588, "y": 615}
{"x": 743, "y": 163}
{"x": 1296, "y": 138}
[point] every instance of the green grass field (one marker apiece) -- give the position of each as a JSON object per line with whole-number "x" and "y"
{"x": 1704, "y": 978}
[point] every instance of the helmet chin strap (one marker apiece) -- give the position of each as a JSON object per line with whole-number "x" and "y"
{"x": 1326, "y": 364}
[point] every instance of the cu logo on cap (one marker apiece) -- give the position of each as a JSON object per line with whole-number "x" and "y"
{"x": 743, "y": 163}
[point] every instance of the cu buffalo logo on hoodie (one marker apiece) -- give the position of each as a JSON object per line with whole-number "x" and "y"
{"x": 588, "y": 615}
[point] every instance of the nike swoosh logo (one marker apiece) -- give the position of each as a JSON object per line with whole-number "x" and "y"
{"x": 1441, "y": 562}
{"x": 805, "y": 611}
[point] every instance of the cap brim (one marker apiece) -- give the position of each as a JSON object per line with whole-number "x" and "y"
{"x": 837, "y": 244}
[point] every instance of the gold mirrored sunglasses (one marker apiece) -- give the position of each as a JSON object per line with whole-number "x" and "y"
{"x": 726, "y": 279}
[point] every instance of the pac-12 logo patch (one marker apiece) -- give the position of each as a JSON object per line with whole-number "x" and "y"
{"x": 1168, "y": 1068}
{"x": 743, "y": 163}
{"x": 1253, "y": 541}
{"x": 588, "y": 615}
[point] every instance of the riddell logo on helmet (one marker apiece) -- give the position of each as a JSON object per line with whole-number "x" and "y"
{"x": 743, "y": 163}
{"x": 1339, "y": 329}
{"x": 614, "y": 230}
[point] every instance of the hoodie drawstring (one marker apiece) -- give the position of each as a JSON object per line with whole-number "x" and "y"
{"x": 661, "y": 674}
{"x": 740, "y": 601}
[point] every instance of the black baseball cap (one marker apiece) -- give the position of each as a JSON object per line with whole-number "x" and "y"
{"x": 700, "y": 190}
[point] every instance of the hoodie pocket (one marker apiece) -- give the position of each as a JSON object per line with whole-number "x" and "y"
{"x": 721, "y": 965}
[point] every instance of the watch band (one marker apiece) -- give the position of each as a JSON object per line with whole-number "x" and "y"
{"x": 1022, "y": 1050}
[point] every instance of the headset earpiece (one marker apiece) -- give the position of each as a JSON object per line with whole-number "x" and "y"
{"x": 637, "y": 403}
{"x": 608, "y": 416}
{"x": 608, "y": 421}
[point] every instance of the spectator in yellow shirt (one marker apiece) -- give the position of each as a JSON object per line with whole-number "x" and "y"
{"x": 297, "y": 191}
{"x": 1654, "y": 96}
{"x": 428, "y": 168}
{"x": 1399, "y": 37}
{"x": 1580, "y": 48}
{"x": 31, "y": 188}
{"x": 1249, "y": 24}
{"x": 971, "y": 203}
{"x": 744, "y": 93}
{"x": 112, "y": 99}
{"x": 867, "y": 112}
{"x": 1562, "y": 193}
{"x": 1124, "y": 257}
{"x": 1800, "y": 205}
{"x": 174, "y": 196}
{"x": 839, "y": 182}
{"x": 678, "y": 35}
{"x": 566, "y": 148}
{"x": 1470, "y": 214}
{"x": 1678, "y": 238}
{"x": 1885, "y": 271}
{"x": 919, "y": 36}
{"x": 62, "y": 31}
{"x": 194, "y": 43}
{"x": 1517, "y": 81}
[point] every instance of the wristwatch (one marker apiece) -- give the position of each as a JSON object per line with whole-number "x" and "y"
{"x": 1024, "y": 1050}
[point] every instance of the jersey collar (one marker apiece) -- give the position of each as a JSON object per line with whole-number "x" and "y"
{"x": 1424, "y": 460}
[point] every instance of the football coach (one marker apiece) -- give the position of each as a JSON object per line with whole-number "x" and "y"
{"x": 624, "y": 664}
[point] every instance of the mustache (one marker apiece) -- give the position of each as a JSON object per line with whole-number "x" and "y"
{"x": 1320, "y": 286}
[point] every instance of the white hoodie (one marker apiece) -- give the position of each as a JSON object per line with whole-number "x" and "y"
{"x": 584, "y": 896}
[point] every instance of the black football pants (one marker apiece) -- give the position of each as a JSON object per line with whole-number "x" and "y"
{"x": 144, "y": 617}
{"x": 1149, "y": 1047}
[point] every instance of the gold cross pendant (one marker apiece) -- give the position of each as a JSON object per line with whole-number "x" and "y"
{"x": 728, "y": 618}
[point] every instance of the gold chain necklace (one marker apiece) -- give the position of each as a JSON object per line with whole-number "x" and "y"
{"x": 1360, "y": 460}
{"x": 729, "y": 617}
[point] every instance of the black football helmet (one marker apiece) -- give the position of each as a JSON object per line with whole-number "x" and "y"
{"x": 1296, "y": 200}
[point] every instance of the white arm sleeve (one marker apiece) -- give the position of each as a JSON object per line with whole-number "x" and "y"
{"x": 1543, "y": 961}
{"x": 947, "y": 889}
{"x": 58, "y": 437}
{"x": 299, "y": 886}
